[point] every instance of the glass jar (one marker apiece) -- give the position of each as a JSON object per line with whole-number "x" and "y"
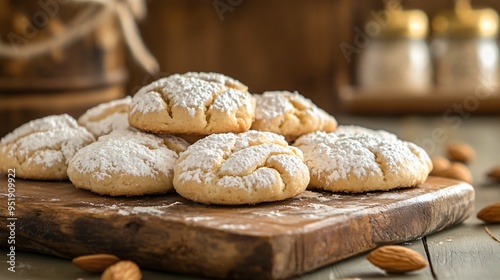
{"x": 397, "y": 57}
{"x": 465, "y": 48}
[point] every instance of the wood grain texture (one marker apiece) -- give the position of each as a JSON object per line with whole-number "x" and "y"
{"x": 360, "y": 268}
{"x": 268, "y": 45}
{"x": 267, "y": 241}
{"x": 435, "y": 101}
{"x": 458, "y": 253}
{"x": 468, "y": 252}
{"x": 69, "y": 78}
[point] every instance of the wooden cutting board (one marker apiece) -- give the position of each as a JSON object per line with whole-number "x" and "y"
{"x": 272, "y": 240}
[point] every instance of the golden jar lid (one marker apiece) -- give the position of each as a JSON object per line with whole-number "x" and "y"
{"x": 464, "y": 21}
{"x": 395, "y": 22}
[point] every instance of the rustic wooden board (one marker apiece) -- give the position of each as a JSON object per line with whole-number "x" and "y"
{"x": 272, "y": 240}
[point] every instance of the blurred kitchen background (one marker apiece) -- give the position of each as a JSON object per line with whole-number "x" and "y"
{"x": 349, "y": 56}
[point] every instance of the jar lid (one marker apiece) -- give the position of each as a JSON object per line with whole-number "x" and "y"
{"x": 464, "y": 21}
{"x": 399, "y": 23}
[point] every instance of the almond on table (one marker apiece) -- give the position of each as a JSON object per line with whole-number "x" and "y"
{"x": 460, "y": 151}
{"x": 396, "y": 259}
{"x": 95, "y": 263}
{"x": 494, "y": 173}
{"x": 440, "y": 165}
{"x": 458, "y": 171}
{"x": 490, "y": 213}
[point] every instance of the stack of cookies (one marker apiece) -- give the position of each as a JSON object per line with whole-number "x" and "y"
{"x": 209, "y": 139}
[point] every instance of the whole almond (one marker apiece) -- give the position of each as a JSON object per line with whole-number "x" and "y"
{"x": 95, "y": 263}
{"x": 494, "y": 173}
{"x": 397, "y": 259}
{"x": 122, "y": 270}
{"x": 458, "y": 171}
{"x": 460, "y": 151}
{"x": 490, "y": 213}
{"x": 440, "y": 164}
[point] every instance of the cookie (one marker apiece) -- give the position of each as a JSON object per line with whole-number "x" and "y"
{"x": 192, "y": 104}
{"x": 351, "y": 130}
{"x": 106, "y": 117}
{"x": 42, "y": 148}
{"x": 218, "y": 78}
{"x": 290, "y": 114}
{"x": 127, "y": 163}
{"x": 355, "y": 159}
{"x": 245, "y": 168}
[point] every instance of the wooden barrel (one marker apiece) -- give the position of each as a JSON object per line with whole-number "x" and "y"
{"x": 76, "y": 62}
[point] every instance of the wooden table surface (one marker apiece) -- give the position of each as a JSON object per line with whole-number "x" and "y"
{"x": 465, "y": 251}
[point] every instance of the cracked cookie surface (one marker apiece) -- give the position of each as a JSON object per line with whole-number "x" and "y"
{"x": 355, "y": 159}
{"x": 127, "y": 163}
{"x": 218, "y": 78}
{"x": 244, "y": 168}
{"x": 106, "y": 117}
{"x": 42, "y": 148}
{"x": 290, "y": 114}
{"x": 193, "y": 103}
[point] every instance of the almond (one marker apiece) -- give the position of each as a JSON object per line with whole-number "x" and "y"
{"x": 490, "y": 213}
{"x": 397, "y": 259}
{"x": 440, "y": 164}
{"x": 95, "y": 263}
{"x": 458, "y": 171}
{"x": 494, "y": 173}
{"x": 122, "y": 270}
{"x": 460, "y": 151}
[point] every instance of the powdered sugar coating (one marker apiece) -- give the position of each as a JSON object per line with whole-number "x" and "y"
{"x": 290, "y": 114}
{"x": 42, "y": 148}
{"x": 106, "y": 117}
{"x": 46, "y": 158}
{"x": 43, "y": 124}
{"x": 126, "y": 163}
{"x": 352, "y": 130}
{"x": 192, "y": 103}
{"x": 230, "y": 100}
{"x": 261, "y": 178}
{"x": 132, "y": 153}
{"x": 64, "y": 142}
{"x": 176, "y": 90}
{"x": 337, "y": 157}
{"x": 249, "y": 163}
{"x": 272, "y": 104}
{"x": 354, "y": 155}
{"x": 172, "y": 142}
{"x": 148, "y": 102}
{"x": 218, "y": 78}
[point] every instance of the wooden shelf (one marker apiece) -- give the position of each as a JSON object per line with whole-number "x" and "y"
{"x": 436, "y": 101}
